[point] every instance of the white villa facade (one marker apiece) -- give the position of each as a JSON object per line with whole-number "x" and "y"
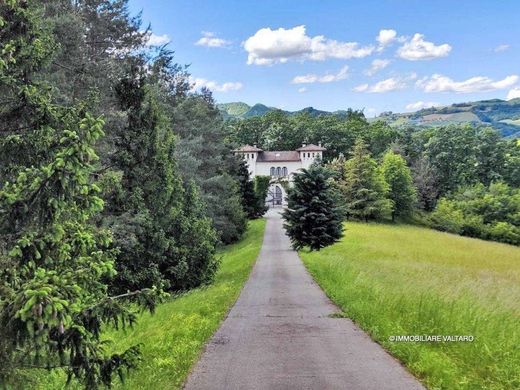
{"x": 279, "y": 165}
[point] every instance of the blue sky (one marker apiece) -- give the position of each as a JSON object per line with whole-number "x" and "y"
{"x": 371, "y": 55}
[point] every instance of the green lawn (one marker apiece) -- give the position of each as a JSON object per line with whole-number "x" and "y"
{"x": 172, "y": 338}
{"x": 406, "y": 280}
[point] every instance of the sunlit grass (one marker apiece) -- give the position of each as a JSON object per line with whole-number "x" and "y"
{"x": 405, "y": 280}
{"x": 172, "y": 339}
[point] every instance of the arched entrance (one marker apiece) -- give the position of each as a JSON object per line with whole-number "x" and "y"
{"x": 278, "y": 195}
{"x": 275, "y": 195}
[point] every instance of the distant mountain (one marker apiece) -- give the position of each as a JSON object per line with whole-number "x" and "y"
{"x": 500, "y": 114}
{"x": 240, "y": 110}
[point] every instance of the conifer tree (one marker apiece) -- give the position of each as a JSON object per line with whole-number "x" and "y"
{"x": 313, "y": 217}
{"x": 399, "y": 179}
{"x": 158, "y": 221}
{"x": 193, "y": 261}
{"x": 364, "y": 188}
{"x": 54, "y": 260}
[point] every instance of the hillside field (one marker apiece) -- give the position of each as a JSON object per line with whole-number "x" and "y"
{"x": 403, "y": 280}
{"x": 172, "y": 338}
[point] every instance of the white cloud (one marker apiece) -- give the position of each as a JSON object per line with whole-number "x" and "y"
{"x": 376, "y": 66}
{"x": 361, "y": 88}
{"x": 502, "y": 47}
{"x": 157, "y": 40}
{"x": 513, "y": 93}
{"x": 418, "y": 49}
{"x": 214, "y": 86}
{"x": 302, "y": 90}
{"x": 391, "y": 84}
{"x": 420, "y": 105}
{"x": 440, "y": 83}
{"x": 209, "y": 39}
{"x": 385, "y": 37}
{"x": 326, "y": 78}
{"x": 267, "y": 47}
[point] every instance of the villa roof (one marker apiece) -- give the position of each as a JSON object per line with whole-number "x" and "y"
{"x": 248, "y": 148}
{"x": 311, "y": 148}
{"x": 278, "y": 156}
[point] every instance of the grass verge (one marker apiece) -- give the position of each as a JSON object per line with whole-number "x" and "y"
{"x": 405, "y": 280}
{"x": 172, "y": 339}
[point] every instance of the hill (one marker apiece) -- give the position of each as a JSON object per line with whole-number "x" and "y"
{"x": 500, "y": 114}
{"x": 405, "y": 280}
{"x": 240, "y": 110}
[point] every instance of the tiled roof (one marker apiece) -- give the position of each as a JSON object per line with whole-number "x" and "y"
{"x": 311, "y": 148}
{"x": 248, "y": 148}
{"x": 278, "y": 156}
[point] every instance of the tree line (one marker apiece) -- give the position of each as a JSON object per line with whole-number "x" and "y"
{"x": 460, "y": 178}
{"x": 117, "y": 184}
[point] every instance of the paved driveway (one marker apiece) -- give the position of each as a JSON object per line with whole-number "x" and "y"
{"x": 279, "y": 335}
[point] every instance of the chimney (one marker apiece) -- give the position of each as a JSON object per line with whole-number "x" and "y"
{"x": 319, "y": 144}
{"x": 304, "y": 145}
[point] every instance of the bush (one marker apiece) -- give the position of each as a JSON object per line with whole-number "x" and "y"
{"x": 491, "y": 213}
{"x": 447, "y": 217}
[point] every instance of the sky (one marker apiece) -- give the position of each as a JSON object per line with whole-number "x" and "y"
{"x": 373, "y": 55}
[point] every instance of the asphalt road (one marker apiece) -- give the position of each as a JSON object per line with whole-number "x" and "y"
{"x": 279, "y": 335}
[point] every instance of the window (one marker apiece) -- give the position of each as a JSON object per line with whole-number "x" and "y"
{"x": 284, "y": 171}
{"x": 272, "y": 171}
{"x": 278, "y": 171}
{"x": 313, "y": 155}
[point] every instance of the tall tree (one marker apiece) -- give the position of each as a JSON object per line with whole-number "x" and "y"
{"x": 425, "y": 179}
{"x": 399, "y": 179}
{"x": 313, "y": 217}
{"x": 54, "y": 260}
{"x": 163, "y": 240}
{"x": 252, "y": 203}
{"x": 205, "y": 158}
{"x": 452, "y": 151}
{"x": 363, "y": 186}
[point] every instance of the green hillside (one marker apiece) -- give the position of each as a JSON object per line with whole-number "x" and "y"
{"x": 500, "y": 114}
{"x": 234, "y": 109}
{"x": 240, "y": 110}
{"x": 404, "y": 280}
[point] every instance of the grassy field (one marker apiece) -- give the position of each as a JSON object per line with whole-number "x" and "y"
{"x": 404, "y": 280}
{"x": 174, "y": 336}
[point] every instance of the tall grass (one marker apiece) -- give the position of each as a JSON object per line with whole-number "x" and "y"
{"x": 404, "y": 280}
{"x": 172, "y": 339}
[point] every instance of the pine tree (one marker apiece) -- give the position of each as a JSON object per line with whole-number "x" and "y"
{"x": 313, "y": 217}
{"x": 399, "y": 179}
{"x": 364, "y": 188}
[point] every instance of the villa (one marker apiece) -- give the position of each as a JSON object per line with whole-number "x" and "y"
{"x": 279, "y": 165}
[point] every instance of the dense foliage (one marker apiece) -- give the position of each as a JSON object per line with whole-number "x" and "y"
{"x": 486, "y": 212}
{"x": 116, "y": 183}
{"x": 54, "y": 259}
{"x": 280, "y": 131}
{"x": 313, "y": 217}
